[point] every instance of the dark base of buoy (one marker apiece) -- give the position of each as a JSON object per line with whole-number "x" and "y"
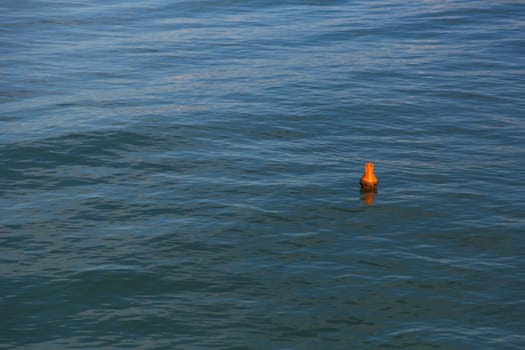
{"x": 368, "y": 188}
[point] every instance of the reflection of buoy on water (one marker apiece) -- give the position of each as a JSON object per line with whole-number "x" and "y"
{"x": 368, "y": 184}
{"x": 368, "y": 197}
{"x": 369, "y": 179}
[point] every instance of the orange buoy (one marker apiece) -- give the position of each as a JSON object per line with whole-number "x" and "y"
{"x": 369, "y": 179}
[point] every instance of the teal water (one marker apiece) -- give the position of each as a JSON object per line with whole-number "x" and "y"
{"x": 185, "y": 174}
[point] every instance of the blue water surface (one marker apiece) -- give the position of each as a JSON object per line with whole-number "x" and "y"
{"x": 185, "y": 174}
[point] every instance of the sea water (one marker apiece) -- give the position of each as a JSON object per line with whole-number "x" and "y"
{"x": 185, "y": 174}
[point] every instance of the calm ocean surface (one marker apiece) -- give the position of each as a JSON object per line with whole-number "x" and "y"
{"x": 185, "y": 174}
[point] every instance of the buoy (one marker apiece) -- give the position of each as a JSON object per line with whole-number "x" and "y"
{"x": 369, "y": 179}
